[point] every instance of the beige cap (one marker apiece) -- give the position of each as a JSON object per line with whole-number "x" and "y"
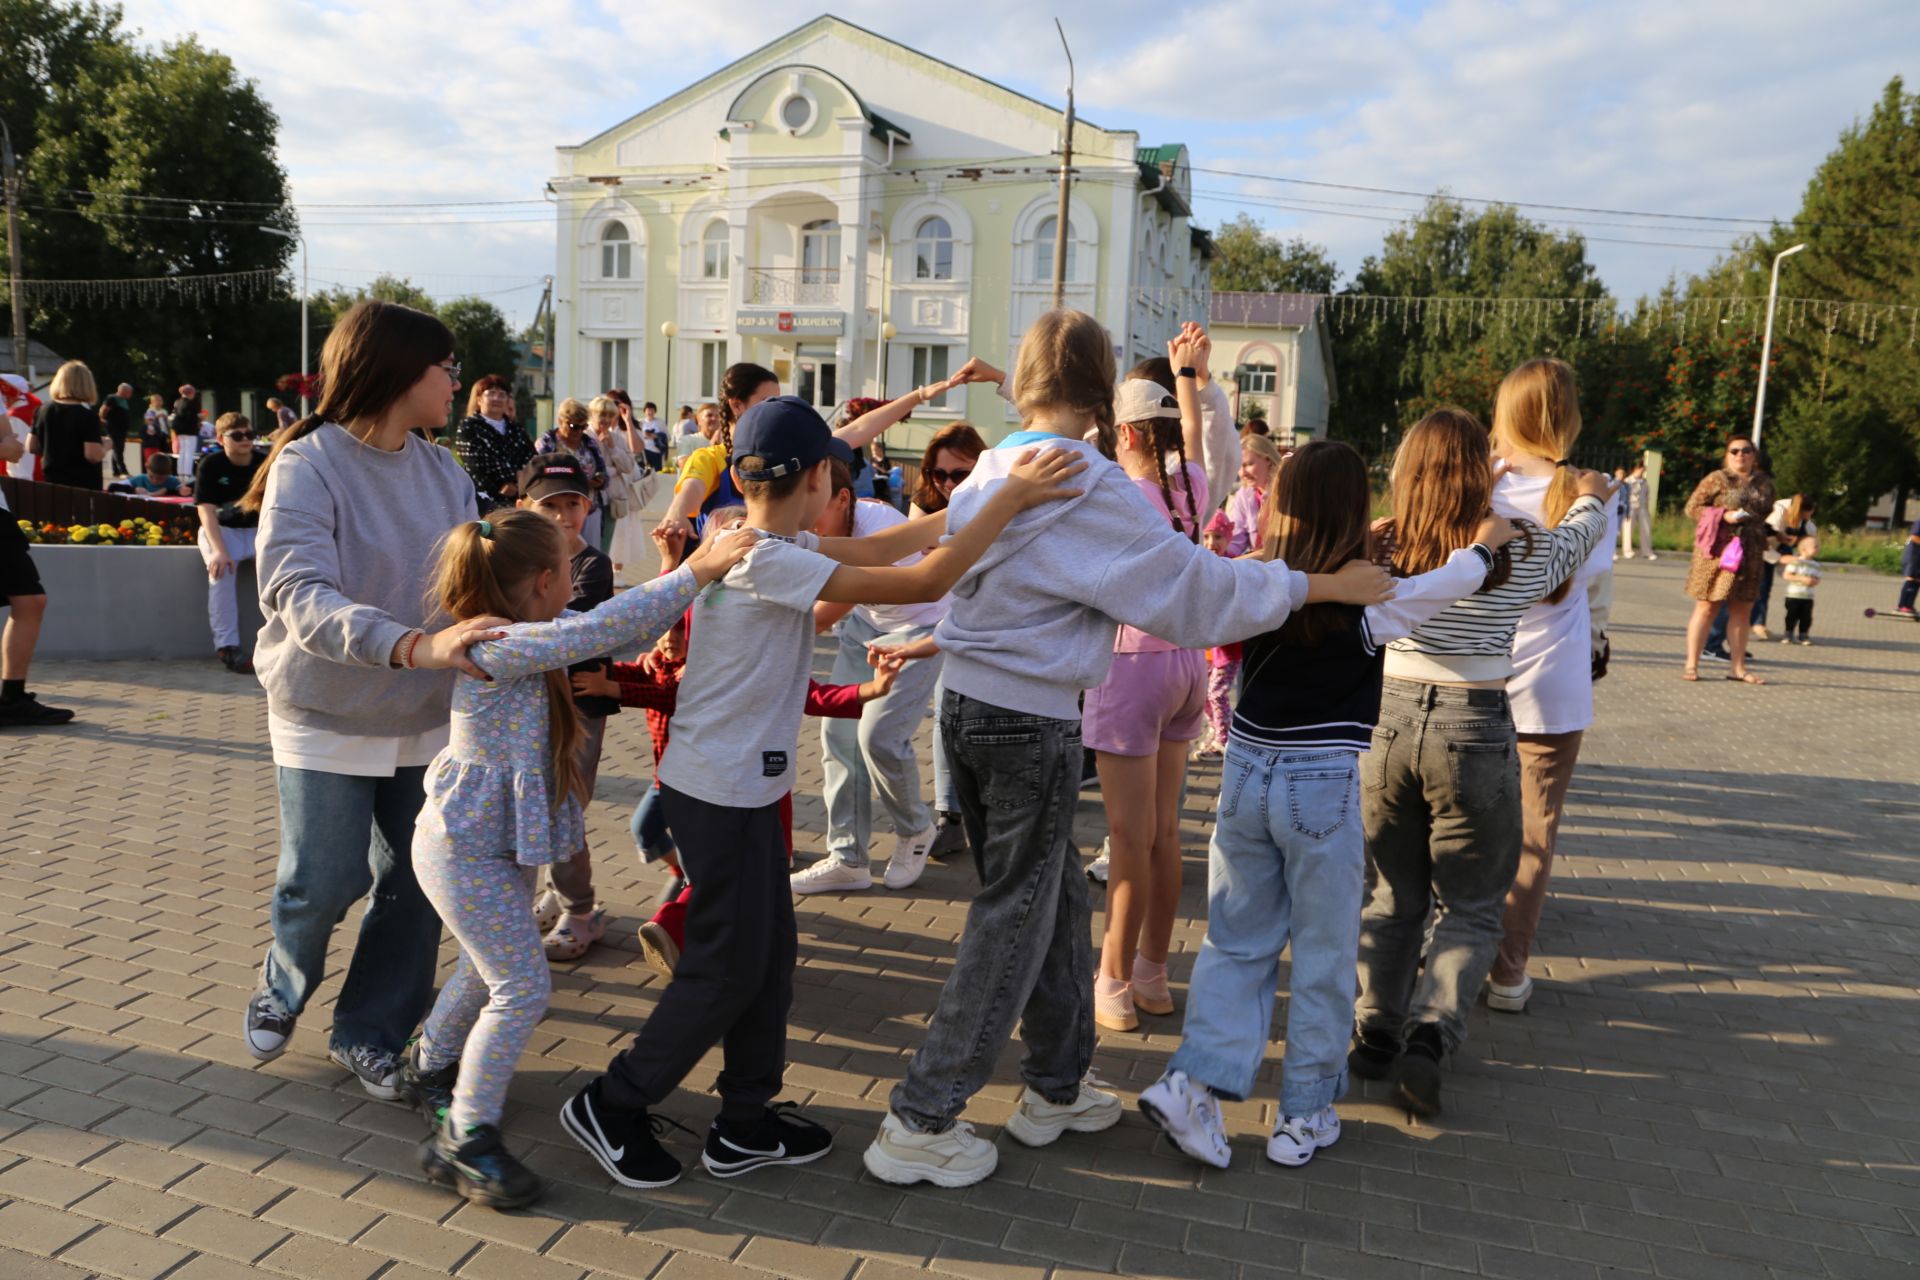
{"x": 1137, "y": 400}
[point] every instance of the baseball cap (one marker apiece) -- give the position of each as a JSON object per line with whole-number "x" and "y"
{"x": 838, "y": 448}
{"x": 1137, "y": 400}
{"x": 551, "y": 473}
{"x": 784, "y": 432}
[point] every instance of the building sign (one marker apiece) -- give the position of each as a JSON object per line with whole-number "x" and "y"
{"x": 795, "y": 322}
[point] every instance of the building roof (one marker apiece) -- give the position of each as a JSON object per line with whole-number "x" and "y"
{"x": 877, "y": 125}
{"x": 1161, "y": 165}
{"x": 44, "y": 359}
{"x": 1265, "y": 310}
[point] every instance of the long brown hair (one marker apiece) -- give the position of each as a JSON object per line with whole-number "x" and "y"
{"x": 373, "y": 357}
{"x": 1164, "y": 437}
{"x": 1066, "y": 360}
{"x": 1537, "y": 412}
{"x": 1316, "y": 518}
{"x": 485, "y": 567}
{"x": 958, "y": 437}
{"x": 739, "y": 382}
{"x": 1442, "y": 490}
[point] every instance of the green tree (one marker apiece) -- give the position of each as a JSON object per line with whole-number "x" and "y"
{"x": 141, "y": 164}
{"x": 1250, "y": 259}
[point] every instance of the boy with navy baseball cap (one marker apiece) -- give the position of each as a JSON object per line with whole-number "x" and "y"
{"x": 735, "y": 733}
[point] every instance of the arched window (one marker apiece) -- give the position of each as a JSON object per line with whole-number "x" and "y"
{"x": 1043, "y": 248}
{"x": 616, "y": 253}
{"x": 933, "y": 250}
{"x": 820, "y": 252}
{"x": 713, "y": 251}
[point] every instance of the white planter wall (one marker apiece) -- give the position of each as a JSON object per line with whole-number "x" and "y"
{"x": 133, "y": 602}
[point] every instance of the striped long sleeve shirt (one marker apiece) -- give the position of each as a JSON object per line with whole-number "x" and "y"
{"x": 1472, "y": 640}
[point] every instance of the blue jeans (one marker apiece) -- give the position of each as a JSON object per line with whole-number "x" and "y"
{"x": 650, "y": 834}
{"x": 1026, "y": 953}
{"x": 1287, "y": 838}
{"x": 1717, "y": 633}
{"x": 874, "y": 753}
{"x": 344, "y": 838}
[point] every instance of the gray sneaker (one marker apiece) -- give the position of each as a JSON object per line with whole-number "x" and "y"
{"x": 378, "y": 1070}
{"x": 269, "y": 1026}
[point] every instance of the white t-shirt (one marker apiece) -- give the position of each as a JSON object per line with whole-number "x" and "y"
{"x": 736, "y": 727}
{"x": 22, "y": 467}
{"x": 358, "y": 755}
{"x": 1551, "y": 689}
{"x": 498, "y": 424}
{"x": 870, "y": 517}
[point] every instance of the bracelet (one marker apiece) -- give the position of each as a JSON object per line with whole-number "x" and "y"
{"x": 412, "y": 641}
{"x": 1188, "y": 371}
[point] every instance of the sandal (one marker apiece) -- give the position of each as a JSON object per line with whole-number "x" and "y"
{"x": 1746, "y": 677}
{"x": 1690, "y": 673}
{"x": 574, "y": 934}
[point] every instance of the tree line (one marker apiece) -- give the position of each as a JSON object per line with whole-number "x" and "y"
{"x": 1675, "y": 371}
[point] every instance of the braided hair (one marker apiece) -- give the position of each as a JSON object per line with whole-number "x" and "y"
{"x": 1164, "y": 435}
{"x": 739, "y": 382}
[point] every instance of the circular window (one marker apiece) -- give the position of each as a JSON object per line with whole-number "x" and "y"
{"x": 796, "y": 113}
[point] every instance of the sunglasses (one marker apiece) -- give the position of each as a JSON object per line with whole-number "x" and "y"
{"x": 940, "y": 475}
{"x": 1745, "y": 448}
{"x": 239, "y": 435}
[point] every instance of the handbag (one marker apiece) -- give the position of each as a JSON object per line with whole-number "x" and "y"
{"x": 1734, "y": 555}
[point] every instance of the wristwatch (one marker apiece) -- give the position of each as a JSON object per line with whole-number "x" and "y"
{"x": 1188, "y": 372}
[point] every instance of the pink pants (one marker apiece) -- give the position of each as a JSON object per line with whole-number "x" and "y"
{"x": 1220, "y": 698}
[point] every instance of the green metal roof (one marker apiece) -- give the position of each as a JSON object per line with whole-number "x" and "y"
{"x": 1157, "y": 165}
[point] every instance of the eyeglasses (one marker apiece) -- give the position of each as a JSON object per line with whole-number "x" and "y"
{"x": 940, "y": 475}
{"x": 1745, "y": 448}
{"x": 452, "y": 367}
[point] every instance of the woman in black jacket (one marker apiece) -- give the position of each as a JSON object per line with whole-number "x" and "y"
{"x": 67, "y": 434}
{"x": 490, "y": 444}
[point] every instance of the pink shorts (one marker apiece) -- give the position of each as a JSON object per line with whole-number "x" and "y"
{"x": 1147, "y": 699}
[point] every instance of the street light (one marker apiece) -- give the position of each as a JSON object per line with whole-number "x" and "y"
{"x": 669, "y": 330}
{"x": 1766, "y": 344}
{"x": 290, "y": 235}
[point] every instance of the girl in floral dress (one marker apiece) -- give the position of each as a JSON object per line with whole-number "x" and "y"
{"x": 502, "y": 801}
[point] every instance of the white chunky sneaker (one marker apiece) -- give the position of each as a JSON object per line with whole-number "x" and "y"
{"x": 1038, "y": 1122}
{"x": 1510, "y": 999}
{"x": 1296, "y": 1138}
{"x": 908, "y": 860}
{"x": 830, "y": 875}
{"x": 956, "y": 1158}
{"x": 1190, "y": 1115}
{"x": 1097, "y": 869}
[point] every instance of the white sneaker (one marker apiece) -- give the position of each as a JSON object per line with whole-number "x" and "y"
{"x": 1296, "y": 1138}
{"x": 956, "y": 1158}
{"x": 1509, "y": 999}
{"x": 830, "y": 875}
{"x": 908, "y": 860}
{"x": 1038, "y": 1122}
{"x": 1190, "y": 1115}
{"x": 1097, "y": 869}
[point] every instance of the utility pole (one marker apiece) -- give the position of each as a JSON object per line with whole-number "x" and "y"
{"x": 1060, "y": 223}
{"x": 12, "y": 180}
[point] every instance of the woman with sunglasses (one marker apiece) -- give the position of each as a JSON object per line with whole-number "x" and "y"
{"x": 1729, "y": 509}
{"x": 227, "y": 532}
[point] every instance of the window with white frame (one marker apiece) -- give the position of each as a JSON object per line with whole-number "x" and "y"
{"x": 1256, "y": 379}
{"x": 616, "y": 256}
{"x": 613, "y": 362}
{"x": 933, "y": 249}
{"x": 713, "y": 362}
{"x": 931, "y": 365}
{"x": 713, "y": 251}
{"x": 820, "y": 252}
{"x": 1043, "y": 248}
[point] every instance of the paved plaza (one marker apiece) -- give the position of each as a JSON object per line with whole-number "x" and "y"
{"x": 1716, "y": 1078}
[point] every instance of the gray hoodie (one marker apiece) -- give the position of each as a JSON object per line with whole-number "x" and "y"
{"x": 1032, "y": 623}
{"x": 347, "y": 534}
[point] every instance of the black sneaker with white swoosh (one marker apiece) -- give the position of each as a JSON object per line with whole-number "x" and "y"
{"x": 626, "y": 1143}
{"x": 781, "y": 1136}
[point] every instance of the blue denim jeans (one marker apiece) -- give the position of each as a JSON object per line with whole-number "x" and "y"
{"x": 650, "y": 834}
{"x": 1026, "y": 953}
{"x": 874, "y": 753}
{"x": 1287, "y": 863}
{"x": 344, "y": 838}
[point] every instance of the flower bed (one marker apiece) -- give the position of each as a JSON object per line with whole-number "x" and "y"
{"x": 128, "y": 533}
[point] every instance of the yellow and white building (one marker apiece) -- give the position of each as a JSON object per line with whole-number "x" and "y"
{"x": 859, "y": 217}
{"x": 1273, "y": 353}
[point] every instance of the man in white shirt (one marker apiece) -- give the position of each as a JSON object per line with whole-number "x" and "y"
{"x": 874, "y": 753}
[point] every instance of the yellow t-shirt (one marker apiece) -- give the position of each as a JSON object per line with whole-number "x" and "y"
{"x": 706, "y": 464}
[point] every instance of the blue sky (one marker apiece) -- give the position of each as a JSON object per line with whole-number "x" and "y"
{"x": 1708, "y": 107}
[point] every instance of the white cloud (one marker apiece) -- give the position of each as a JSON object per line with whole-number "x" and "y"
{"x": 1712, "y": 107}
